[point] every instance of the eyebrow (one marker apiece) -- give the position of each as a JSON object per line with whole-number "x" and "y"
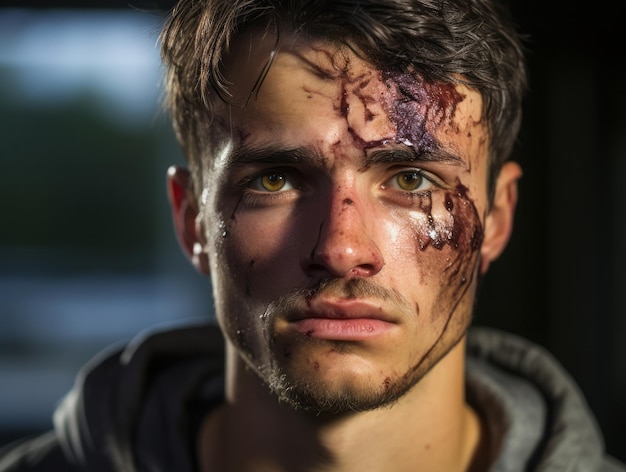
{"x": 243, "y": 155}
{"x": 409, "y": 154}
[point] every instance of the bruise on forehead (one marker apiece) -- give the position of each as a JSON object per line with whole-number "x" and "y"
{"x": 414, "y": 107}
{"x": 418, "y": 107}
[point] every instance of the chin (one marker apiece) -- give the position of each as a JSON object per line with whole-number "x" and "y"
{"x": 346, "y": 392}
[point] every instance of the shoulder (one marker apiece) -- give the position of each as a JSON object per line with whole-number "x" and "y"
{"x": 40, "y": 453}
{"x": 151, "y": 377}
{"x": 536, "y": 392}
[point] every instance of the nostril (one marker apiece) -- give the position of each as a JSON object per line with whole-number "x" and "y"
{"x": 341, "y": 259}
{"x": 362, "y": 271}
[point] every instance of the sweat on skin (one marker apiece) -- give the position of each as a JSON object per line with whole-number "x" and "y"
{"x": 345, "y": 219}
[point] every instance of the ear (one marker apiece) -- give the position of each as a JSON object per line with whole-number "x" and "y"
{"x": 499, "y": 221}
{"x": 184, "y": 206}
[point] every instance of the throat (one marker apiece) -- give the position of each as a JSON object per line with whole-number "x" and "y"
{"x": 289, "y": 441}
{"x": 430, "y": 428}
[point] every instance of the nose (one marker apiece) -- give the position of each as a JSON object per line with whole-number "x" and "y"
{"x": 346, "y": 244}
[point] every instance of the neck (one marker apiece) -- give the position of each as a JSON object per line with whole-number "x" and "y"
{"x": 429, "y": 429}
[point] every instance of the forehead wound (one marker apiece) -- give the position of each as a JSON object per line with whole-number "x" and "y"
{"x": 379, "y": 106}
{"x": 419, "y": 108}
{"x": 411, "y": 108}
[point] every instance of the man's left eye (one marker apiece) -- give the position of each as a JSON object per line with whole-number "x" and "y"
{"x": 271, "y": 181}
{"x": 409, "y": 181}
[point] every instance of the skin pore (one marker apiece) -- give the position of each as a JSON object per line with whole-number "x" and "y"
{"x": 344, "y": 221}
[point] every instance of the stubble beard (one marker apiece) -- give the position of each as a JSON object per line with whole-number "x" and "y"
{"x": 311, "y": 394}
{"x": 317, "y": 398}
{"x": 314, "y": 396}
{"x": 308, "y": 393}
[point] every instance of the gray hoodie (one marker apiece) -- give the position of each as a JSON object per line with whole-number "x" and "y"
{"x": 138, "y": 407}
{"x": 536, "y": 415}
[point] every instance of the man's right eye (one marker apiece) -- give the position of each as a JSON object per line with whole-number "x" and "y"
{"x": 271, "y": 181}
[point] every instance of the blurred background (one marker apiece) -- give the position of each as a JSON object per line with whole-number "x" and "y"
{"x": 88, "y": 256}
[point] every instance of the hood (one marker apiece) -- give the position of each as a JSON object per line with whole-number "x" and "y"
{"x": 535, "y": 413}
{"x": 120, "y": 412}
{"x": 124, "y": 397}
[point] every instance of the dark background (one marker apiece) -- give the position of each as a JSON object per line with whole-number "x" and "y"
{"x": 561, "y": 281}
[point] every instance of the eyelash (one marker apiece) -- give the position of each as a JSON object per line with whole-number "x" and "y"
{"x": 428, "y": 178}
{"x": 255, "y": 197}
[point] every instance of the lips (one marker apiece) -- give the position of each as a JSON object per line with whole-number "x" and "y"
{"x": 342, "y": 320}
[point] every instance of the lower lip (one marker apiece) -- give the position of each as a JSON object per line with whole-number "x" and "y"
{"x": 343, "y": 329}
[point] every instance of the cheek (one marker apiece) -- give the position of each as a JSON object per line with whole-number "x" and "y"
{"x": 445, "y": 234}
{"x": 255, "y": 250}
{"x": 245, "y": 270}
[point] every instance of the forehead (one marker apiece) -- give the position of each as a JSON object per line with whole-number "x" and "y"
{"x": 321, "y": 95}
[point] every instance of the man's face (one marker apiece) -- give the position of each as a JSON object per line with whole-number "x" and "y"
{"x": 343, "y": 219}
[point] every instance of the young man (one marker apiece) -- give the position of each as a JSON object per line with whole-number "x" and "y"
{"x": 349, "y": 184}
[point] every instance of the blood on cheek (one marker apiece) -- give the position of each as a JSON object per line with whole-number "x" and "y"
{"x": 448, "y": 233}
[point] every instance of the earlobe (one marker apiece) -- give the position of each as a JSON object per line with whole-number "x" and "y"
{"x": 499, "y": 221}
{"x": 185, "y": 213}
